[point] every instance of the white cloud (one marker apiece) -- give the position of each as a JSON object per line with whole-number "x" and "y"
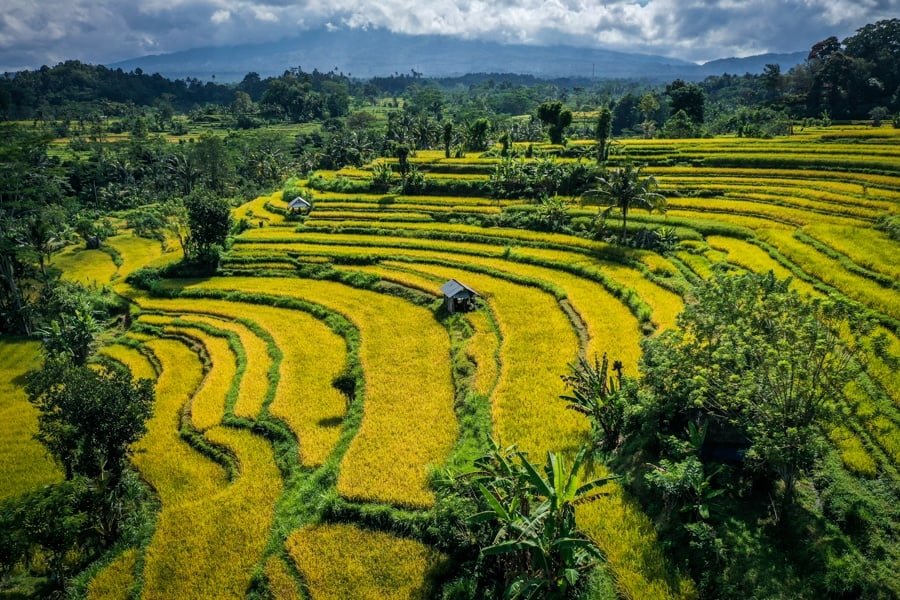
{"x": 220, "y": 16}
{"x": 33, "y": 33}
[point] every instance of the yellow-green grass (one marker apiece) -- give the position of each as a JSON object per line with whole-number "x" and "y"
{"x": 775, "y": 212}
{"x": 370, "y": 216}
{"x": 833, "y": 273}
{"x": 484, "y": 350}
{"x": 822, "y": 204}
{"x": 394, "y": 275}
{"x": 853, "y": 192}
{"x": 710, "y": 173}
{"x": 88, "y": 267}
{"x": 208, "y": 546}
{"x": 866, "y": 247}
{"x": 137, "y": 252}
{"x": 136, "y": 362}
{"x": 753, "y": 258}
{"x": 24, "y": 464}
{"x": 408, "y": 421}
{"x": 325, "y": 208}
{"x": 176, "y": 471}
{"x": 881, "y": 370}
{"x": 304, "y": 399}
{"x": 506, "y": 233}
{"x": 610, "y": 327}
{"x": 115, "y": 580}
{"x": 483, "y": 347}
{"x": 527, "y": 412}
{"x": 853, "y": 453}
{"x": 696, "y": 263}
{"x": 255, "y": 210}
{"x": 343, "y": 561}
{"x": 664, "y": 303}
{"x": 728, "y": 217}
{"x": 282, "y": 584}
{"x": 208, "y": 404}
{"x": 255, "y": 381}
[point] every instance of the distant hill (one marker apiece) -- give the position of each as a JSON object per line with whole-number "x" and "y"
{"x": 751, "y": 64}
{"x": 368, "y": 53}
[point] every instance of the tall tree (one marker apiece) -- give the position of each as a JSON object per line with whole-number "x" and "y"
{"x": 209, "y": 221}
{"x": 625, "y": 189}
{"x": 602, "y": 132}
{"x": 89, "y": 417}
{"x": 688, "y": 97}
{"x": 557, "y": 117}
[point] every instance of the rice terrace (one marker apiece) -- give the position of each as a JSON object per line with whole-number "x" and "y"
{"x": 313, "y": 336}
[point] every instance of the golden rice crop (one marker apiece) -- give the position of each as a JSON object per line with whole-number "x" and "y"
{"x": 88, "y": 267}
{"x": 136, "y": 362}
{"x": 764, "y": 210}
{"x": 208, "y": 546}
{"x": 729, "y": 218}
{"x": 282, "y": 584}
{"x": 665, "y": 304}
{"x": 137, "y": 252}
{"x": 865, "y": 246}
{"x": 255, "y": 210}
{"x": 696, "y": 263}
{"x": 853, "y": 453}
{"x": 343, "y": 561}
{"x": 24, "y": 464}
{"x": 176, "y": 471}
{"x": 484, "y": 349}
{"x": 753, "y": 258}
{"x": 833, "y": 273}
{"x": 508, "y": 233}
{"x": 114, "y": 581}
{"x": 408, "y": 420}
{"x": 610, "y": 325}
{"x": 208, "y": 405}
{"x": 397, "y": 276}
{"x": 255, "y": 381}
{"x": 304, "y": 398}
{"x": 815, "y": 175}
{"x": 527, "y": 412}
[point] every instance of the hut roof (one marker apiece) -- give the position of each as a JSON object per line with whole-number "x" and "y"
{"x": 299, "y": 202}
{"x": 453, "y": 288}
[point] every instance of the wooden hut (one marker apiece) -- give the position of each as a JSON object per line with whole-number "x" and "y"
{"x": 300, "y": 205}
{"x": 458, "y": 297}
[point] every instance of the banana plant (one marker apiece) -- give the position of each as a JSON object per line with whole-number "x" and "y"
{"x": 535, "y": 535}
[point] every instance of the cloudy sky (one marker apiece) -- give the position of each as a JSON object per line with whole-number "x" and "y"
{"x": 37, "y": 32}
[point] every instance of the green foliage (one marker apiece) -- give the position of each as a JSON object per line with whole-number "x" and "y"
{"x": 623, "y": 189}
{"x": 680, "y": 125}
{"x": 597, "y": 395}
{"x": 477, "y": 135}
{"x": 89, "y": 417}
{"x": 556, "y": 117}
{"x": 756, "y": 356}
{"x": 524, "y": 524}
{"x": 688, "y": 97}
{"x": 209, "y": 222}
{"x": 602, "y": 132}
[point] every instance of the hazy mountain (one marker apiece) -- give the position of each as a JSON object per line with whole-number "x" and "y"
{"x": 752, "y": 64}
{"x": 366, "y": 53}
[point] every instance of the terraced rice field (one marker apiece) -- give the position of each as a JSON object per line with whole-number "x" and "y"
{"x": 309, "y": 386}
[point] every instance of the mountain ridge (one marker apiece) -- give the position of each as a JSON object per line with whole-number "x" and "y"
{"x": 370, "y": 53}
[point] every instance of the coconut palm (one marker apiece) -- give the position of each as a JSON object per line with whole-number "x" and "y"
{"x": 625, "y": 189}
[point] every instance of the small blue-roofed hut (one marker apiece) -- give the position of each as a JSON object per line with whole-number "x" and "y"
{"x": 458, "y": 297}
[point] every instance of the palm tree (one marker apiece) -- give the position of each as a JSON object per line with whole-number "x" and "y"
{"x": 625, "y": 189}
